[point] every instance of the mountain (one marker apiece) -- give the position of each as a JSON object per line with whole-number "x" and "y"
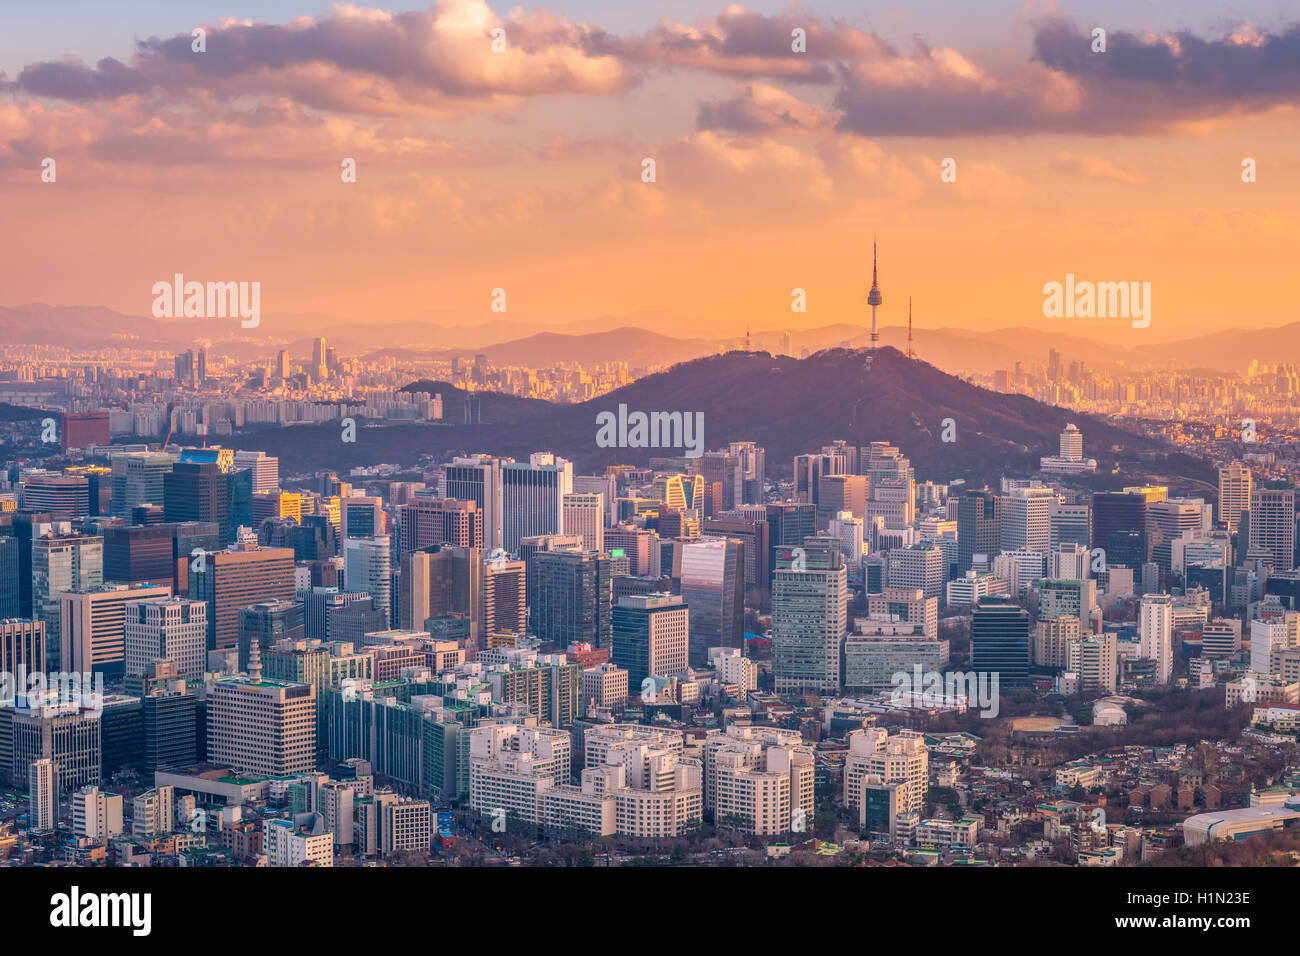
{"x": 790, "y": 406}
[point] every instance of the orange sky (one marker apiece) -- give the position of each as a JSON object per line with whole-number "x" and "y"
{"x": 526, "y": 176}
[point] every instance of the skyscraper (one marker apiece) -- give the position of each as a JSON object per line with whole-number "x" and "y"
{"x": 999, "y": 640}
{"x": 713, "y": 586}
{"x": 428, "y": 521}
{"x": 1155, "y": 627}
{"x": 199, "y": 491}
{"x": 92, "y": 626}
{"x": 478, "y": 479}
{"x": 1272, "y": 522}
{"x": 570, "y": 597}
{"x": 978, "y": 527}
{"x": 367, "y": 566}
{"x": 532, "y": 497}
{"x": 1234, "y": 493}
{"x": 1026, "y": 519}
{"x": 649, "y": 637}
{"x": 584, "y": 515}
{"x": 232, "y": 579}
{"x": 166, "y": 628}
{"x": 64, "y": 562}
{"x": 809, "y": 617}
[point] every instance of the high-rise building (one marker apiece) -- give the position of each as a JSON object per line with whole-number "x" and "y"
{"x": 1234, "y": 493}
{"x": 268, "y": 623}
{"x": 999, "y": 640}
{"x": 362, "y": 516}
{"x": 443, "y": 582}
{"x": 265, "y": 469}
{"x": 753, "y": 531}
{"x": 978, "y": 527}
{"x": 478, "y": 479}
{"x": 22, "y": 645}
{"x": 64, "y": 562}
{"x": 140, "y": 554}
{"x": 65, "y": 734}
{"x": 584, "y": 515}
{"x": 649, "y": 637}
{"x": 1170, "y": 520}
{"x": 429, "y": 521}
{"x": 1155, "y": 628}
{"x": 840, "y": 493}
{"x": 367, "y": 566}
{"x": 713, "y": 586}
{"x": 258, "y": 726}
{"x": 1119, "y": 527}
{"x": 504, "y": 606}
{"x": 809, "y": 618}
{"x": 10, "y": 569}
{"x": 137, "y": 479}
{"x": 919, "y": 566}
{"x": 877, "y": 757}
{"x": 1069, "y": 524}
{"x": 96, "y": 815}
{"x": 67, "y": 496}
{"x": 639, "y": 545}
{"x": 42, "y": 795}
{"x": 1272, "y": 523}
{"x": 92, "y": 626}
{"x": 171, "y": 729}
{"x": 532, "y": 497}
{"x": 1094, "y": 661}
{"x": 199, "y": 491}
{"x": 759, "y": 780}
{"x": 231, "y": 580}
{"x": 1026, "y": 523}
{"x": 570, "y": 597}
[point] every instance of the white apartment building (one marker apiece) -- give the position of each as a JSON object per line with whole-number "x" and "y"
{"x": 759, "y": 779}
{"x": 1155, "y": 627}
{"x": 96, "y": 815}
{"x": 301, "y": 840}
{"x": 901, "y": 759}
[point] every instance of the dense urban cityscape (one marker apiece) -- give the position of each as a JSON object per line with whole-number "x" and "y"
{"x": 594, "y": 436}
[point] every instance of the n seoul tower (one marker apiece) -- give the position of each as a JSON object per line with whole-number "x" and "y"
{"x": 874, "y": 297}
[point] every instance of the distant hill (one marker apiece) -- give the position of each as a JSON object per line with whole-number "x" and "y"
{"x": 789, "y": 406}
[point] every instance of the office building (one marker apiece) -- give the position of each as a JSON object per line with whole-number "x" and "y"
{"x": 584, "y": 516}
{"x": 162, "y": 627}
{"x": 231, "y": 580}
{"x": 532, "y": 497}
{"x": 649, "y": 637}
{"x": 999, "y": 638}
{"x": 713, "y": 586}
{"x": 1234, "y": 494}
{"x": 62, "y": 562}
{"x": 978, "y": 527}
{"x": 809, "y": 618}
{"x": 43, "y": 795}
{"x": 570, "y": 598}
{"x": 432, "y": 521}
{"x": 478, "y": 479}
{"x": 92, "y": 626}
{"x": 1272, "y": 523}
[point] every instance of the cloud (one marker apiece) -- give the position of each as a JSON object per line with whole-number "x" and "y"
{"x": 760, "y": 107}
{"x": 359, "y": 60}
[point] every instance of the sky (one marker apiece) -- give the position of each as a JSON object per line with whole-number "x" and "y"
{"x": 522, "y": 169}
